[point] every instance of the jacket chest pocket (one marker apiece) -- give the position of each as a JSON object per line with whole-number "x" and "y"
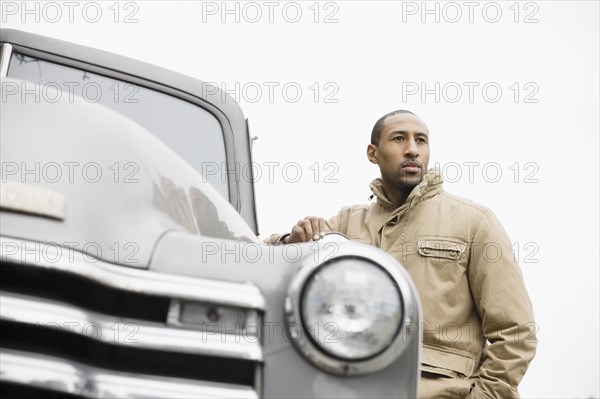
{"x": 441, "y": 249}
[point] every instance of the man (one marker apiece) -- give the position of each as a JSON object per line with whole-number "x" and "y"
{"x": 478, "y": 329}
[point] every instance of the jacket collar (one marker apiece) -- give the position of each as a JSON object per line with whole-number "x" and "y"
{"x": 430, "y": 186}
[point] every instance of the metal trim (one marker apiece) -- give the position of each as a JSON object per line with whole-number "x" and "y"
{"x": 65, "y": 376}
{"x": 125, "y": 332}
{"x": 33, "y": 200}
{"x": 70, "y": 261}
{"x": 174, "y": 317}
{"x": 320, "y": 357}
{"x": 253, "y": 187}
{"x": 7, "y": 50}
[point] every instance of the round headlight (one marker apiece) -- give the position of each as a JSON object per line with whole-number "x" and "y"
{"x": 354, "y": 312}
{"x": 351, "y": 308}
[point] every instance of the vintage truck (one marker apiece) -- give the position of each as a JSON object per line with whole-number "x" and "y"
{"x": 129, "y": 258}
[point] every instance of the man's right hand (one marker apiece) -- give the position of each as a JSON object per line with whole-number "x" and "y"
{"x": 311, "y": 228}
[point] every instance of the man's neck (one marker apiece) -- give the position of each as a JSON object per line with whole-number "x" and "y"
{"x": 396, "y": 196}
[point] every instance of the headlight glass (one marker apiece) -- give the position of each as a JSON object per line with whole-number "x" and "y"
{"x": 351, "y": 308}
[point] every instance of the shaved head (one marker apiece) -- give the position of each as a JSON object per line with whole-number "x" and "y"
{"x": 376, "y": 132}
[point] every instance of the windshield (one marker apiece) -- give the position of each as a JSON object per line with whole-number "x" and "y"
{"x": 192, "y": 132}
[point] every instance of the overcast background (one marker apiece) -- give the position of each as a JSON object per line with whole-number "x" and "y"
{"x": 509, "y": 90}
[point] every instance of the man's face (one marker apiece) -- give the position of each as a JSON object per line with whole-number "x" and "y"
{"x": 403, "y": 151}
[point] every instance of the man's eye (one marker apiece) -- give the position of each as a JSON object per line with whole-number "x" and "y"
{"x": 398, "y": 138}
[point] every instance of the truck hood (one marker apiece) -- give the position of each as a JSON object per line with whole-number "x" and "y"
{"x": 116, "y": 189}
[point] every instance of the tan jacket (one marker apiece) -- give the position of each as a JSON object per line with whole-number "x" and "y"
{"x": 471, "y": 288}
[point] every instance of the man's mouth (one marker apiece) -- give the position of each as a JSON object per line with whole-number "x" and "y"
{"x": 411, "y": 167}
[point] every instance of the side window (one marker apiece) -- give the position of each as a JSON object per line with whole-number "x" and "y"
{"x": 192, "y": 132}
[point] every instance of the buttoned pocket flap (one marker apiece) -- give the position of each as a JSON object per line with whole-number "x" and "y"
{"x": 448, "y": 363}
{"x": 439, "y": 248}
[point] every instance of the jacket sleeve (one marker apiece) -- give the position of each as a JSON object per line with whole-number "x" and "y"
{"x": 504, "y": 306}
{"x": 273, "y": 239}
{"x": 333, "y": 223}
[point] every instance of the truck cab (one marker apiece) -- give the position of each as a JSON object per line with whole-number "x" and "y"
{"x": 129, "y": 258}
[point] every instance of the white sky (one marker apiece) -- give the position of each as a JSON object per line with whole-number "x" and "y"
{"x": 367, "y": 62}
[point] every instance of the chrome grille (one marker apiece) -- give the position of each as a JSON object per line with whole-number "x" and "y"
{"x": 111, "y": 323}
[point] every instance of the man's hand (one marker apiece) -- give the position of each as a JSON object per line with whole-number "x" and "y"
{"x": 311, "y": 228}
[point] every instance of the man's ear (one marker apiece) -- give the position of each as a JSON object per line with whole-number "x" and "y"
{"x": 372, "y": 153}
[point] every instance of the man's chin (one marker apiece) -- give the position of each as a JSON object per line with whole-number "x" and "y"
{"x": 411, "y": 181}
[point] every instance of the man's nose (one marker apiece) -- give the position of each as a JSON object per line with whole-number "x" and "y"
{"x": 411, "y": 151}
